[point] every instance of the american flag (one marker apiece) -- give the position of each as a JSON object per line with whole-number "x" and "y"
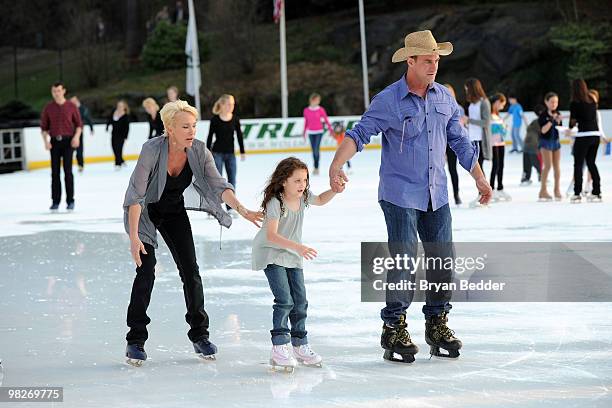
{"x": 278, "y": 5}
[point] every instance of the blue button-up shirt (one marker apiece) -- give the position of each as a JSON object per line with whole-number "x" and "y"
{"x": 415, "y": 132}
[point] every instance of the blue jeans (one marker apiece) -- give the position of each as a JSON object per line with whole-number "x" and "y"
{"x": 435, "y": 230}
{"x": 290, "y": 303}
{"x": 315, "y": 143}
{"x": 229, "y": 159}
{"x": 517, "y": 142}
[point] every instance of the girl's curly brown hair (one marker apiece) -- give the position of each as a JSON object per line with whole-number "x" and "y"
{"x": 274, "y": 187}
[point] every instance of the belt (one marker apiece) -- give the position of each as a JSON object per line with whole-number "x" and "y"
{"x": 61, "y": 137}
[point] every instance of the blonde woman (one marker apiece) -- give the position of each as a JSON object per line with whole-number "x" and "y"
{"x": 120, "y": 121}
{"x": 154, "y": 201}
{"x": 156, "y": 126}
{"x": 224, "y": 127}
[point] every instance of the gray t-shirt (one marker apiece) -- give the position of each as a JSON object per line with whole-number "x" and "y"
{"x": 289, "y": 226}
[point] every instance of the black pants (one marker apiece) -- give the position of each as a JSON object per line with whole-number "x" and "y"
{"x": 451, "y": 157}
{"x": 585, "y": 148}
{"x": 61, "y": 151}
{"x": 480, "y": 154}
{"x": 176, "y": 231}
{"x": 497, "y": 169}
{"x": 117, "y": 142}
{"x": 530, "y": 160}
{"x": 79, "y": 152}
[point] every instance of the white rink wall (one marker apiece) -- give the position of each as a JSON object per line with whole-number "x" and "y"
{"x": 261, "y": 136}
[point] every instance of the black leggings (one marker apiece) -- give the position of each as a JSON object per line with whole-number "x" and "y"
{"x": 497, "y": 168}
{"x": 176, "y": 231}
{"x": 117, "y": 142}
{"x": 585, "y": 148}
{"x": 451, "y": 157}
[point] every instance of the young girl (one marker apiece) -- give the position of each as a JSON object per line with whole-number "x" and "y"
{"x": 313, "y": 115}
{"x": 549, "y": 145}
{"x": 278, "y": 250}
{"x": 339, "y": 134}
{"x": 498, "y": 132}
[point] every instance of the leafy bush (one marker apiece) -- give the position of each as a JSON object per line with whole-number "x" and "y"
{"x": 165, "y": 48}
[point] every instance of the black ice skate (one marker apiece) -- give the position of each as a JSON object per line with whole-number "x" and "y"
{"x": 438, "y": 335}
{"x": 396, "y": 340}
{"x": 205, "y": 349}
{"x": 135, "y": 354}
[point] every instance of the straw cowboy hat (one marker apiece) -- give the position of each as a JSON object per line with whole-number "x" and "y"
{"x": 421, "y": 43}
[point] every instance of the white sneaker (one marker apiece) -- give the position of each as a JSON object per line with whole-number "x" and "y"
{"x": 281, "y": 357}
{"x": 305, "y": 355}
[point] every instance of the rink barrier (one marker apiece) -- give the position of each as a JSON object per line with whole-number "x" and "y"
{"x": 261, "y": 136}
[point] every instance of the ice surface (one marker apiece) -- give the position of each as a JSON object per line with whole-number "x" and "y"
{"x": 66, "y": 278}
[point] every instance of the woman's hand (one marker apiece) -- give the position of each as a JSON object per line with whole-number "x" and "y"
{"x": 136, "y": 247}
{"x": 254, "y": 216}
{"x": 307, "y": 252}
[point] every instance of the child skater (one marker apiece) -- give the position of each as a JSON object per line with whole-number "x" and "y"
{"x": 498, "y": 133}
{"x": 278, "y": 250}
{"x": 339, "y": 133}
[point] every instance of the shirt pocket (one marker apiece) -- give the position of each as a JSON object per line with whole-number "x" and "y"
{"x": 410, "y": 126}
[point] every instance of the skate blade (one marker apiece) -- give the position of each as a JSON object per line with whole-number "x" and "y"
{"x": 281, "y": 368}
{"x": 403, "y": 358}
{"x": 544, "y": 200}
{"x": 313, "y": 365}
{"x": 134, "y": 362}
{"x": 207, "y": 357}
{"x": 449, "y": 355}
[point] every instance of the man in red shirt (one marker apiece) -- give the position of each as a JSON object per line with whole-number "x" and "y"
{"x": 61, "y": 127}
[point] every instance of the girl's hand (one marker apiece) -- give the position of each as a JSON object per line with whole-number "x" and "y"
{"x": 136, "y": 247}
{"x": 242, "y": 157}
{"x": 307, "y": 252}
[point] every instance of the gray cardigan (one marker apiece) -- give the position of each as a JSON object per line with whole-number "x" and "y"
{"x": 149, "y": 179}
{"x": 485, "y": 124}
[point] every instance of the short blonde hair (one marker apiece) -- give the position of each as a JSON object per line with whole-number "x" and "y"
{"x": 222, "y": 99}
{"x": 150, "y": 102}
{"x": 170, "y": 110}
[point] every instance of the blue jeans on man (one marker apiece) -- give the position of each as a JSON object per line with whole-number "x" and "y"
{"x": 435, "y": 230}
{"x": 290, "y": 304}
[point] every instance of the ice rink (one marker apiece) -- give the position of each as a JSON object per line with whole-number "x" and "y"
{"x": 66, "y": 278}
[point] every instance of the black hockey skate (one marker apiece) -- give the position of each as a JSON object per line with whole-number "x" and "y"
{"x": 438, "y": 335}
{"x": 135, "y": 354}
{"x": 205, "y": 349}
{"x": 396, "y": 340}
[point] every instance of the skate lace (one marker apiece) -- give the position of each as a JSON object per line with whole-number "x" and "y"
{"x": 305, "y": 349}
{"x": 445, "y": 332}
{"x": 403, "y": 336}
{"x": 282, "y": 350}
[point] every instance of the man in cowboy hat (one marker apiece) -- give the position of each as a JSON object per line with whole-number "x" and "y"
{"x": 417, "y": 117}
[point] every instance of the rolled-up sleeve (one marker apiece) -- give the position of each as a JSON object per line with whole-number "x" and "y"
{"x": 459, "y": 141}
{"x": 217, "y": 182}
{"x": 137, "y": 187}
{"x": 374, "y": 121}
